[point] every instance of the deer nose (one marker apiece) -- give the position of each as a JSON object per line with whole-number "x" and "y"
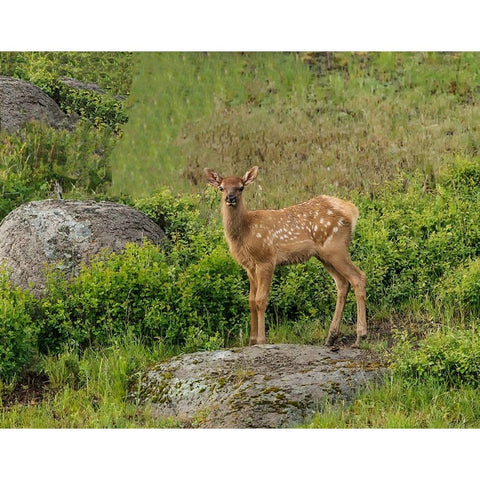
{"x": 231, "y": 198}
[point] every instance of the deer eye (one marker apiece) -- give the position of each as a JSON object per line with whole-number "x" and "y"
{"x": 220, "y": 188}
{"x": 241, "y": 189}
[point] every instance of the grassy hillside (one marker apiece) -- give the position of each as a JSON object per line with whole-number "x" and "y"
{"x": 174, "y": 95}
{"x": 332, "y": 123}
{"x": 395, "y": 132}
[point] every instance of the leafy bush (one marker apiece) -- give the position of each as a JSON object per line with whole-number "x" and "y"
{"x": 108, "y": 298}
{"x": 138, "y": 291}
{"x": 100, "y": 109}
{"x": 178, "y": 216}
{"x": 451, "y": 359}
{"x": 408, "y": 239}
{"x": 463, "y": 175}
{"x": 214, "y": 295}
{"x": 17, "y": 330}
{"x": 460, "y": 287}
{"x": 190, "y": 235}
{"x": 111, "y": 70}
{"x": 303, "y": 291}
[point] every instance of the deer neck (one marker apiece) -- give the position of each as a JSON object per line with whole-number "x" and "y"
{"x": 234, "y": 220}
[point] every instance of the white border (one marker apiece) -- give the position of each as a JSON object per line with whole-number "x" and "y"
{"x": 210, "y": 25}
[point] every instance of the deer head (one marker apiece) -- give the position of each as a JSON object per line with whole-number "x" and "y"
{"x": 231, "y": 187}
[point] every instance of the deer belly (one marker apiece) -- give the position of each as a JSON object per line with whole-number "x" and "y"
{"x": 297, "y": 252}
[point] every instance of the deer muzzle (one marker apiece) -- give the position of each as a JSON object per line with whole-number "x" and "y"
{"x": 231, "y": 200}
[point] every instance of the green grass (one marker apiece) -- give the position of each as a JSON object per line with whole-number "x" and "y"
{"x": 395, "y": 405}
{"x": 173, "y": 93}
{"x": 335, "y": 123}
{"x": 90, "y": 390}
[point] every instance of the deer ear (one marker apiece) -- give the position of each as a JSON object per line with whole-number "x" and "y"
{"x": 250, "y": 176}
{"x": 213, "y": 178}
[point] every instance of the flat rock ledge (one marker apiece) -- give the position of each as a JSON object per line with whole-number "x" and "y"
{"x": 267, "y": 386}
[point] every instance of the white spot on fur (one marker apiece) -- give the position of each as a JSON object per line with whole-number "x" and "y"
{"x": 259, "y": 235}
{"x": 321, "y": 220}
{"x": 335, "y": 229}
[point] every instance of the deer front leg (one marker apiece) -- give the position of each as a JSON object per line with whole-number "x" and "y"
{"x": 253, "y": 308}
{"x": 264, "y": 275}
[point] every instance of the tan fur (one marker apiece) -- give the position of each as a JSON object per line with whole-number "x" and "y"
{"x": 259, "y": 240}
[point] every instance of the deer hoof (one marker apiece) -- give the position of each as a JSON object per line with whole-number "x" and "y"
{"x": 330, "y": 340}
{"x": 358, "y": 341}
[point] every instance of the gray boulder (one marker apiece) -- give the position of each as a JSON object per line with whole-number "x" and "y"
{"x": 22, "y": 102}
{"x": 254, "y": 387}
{"x": 66, "y": 233}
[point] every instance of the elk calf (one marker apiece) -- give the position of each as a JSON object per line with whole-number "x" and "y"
{"x": 262, "y": 239}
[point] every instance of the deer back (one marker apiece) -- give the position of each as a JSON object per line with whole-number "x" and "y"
{"x": 292, "y": 234}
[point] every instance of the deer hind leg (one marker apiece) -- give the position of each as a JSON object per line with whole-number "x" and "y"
{"x": 253, "y": 307}
{"x": 342, "y": 290}
{"x": 357, "y": 279}
{"x": 264, "y": 275}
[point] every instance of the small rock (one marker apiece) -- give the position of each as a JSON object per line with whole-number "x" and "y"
{"x": 78, "y": 85}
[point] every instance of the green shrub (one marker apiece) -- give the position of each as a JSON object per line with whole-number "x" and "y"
{"x": 17, "y": 330}
{"x": 408, "y": 239}
{"x": 190, "y": 235}
{"x": 100, "y": 109}
{"x": 460, "y": 288}
{"x": 108, "y": 298}
{"x": 139, "y": 292}
{"x": 451, "y": 359}
{"x": 178, "y": 216}
{"x": 214, "y": 295}
{"x": 303, "y": 291}
{"x": 462, "y": 175}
